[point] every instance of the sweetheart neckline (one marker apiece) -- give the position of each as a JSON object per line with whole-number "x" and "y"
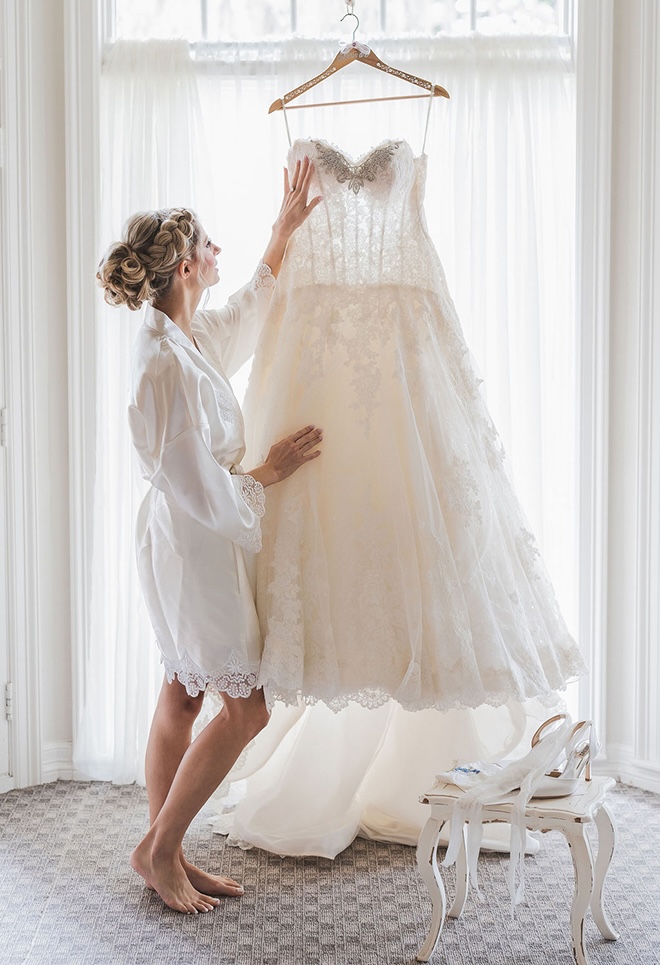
{"x": 355, "y": 161}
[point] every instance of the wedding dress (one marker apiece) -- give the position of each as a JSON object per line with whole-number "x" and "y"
{"x": 400, "y": 564}
{"x": 398, "y": 572}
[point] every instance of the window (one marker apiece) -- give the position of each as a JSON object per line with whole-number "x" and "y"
{"x": 232, "y": 20}
{"x": 187, "y": 122}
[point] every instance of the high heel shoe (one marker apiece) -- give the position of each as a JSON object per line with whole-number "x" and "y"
{"x": 580, "y": 747}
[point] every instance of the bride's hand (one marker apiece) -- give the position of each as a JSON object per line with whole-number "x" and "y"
{"x": 288, "y": 455}
{"x": 296, "y": 208}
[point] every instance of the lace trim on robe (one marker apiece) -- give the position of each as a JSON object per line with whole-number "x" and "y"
{"x": 235, "y": 679}
{"x": 262, "y": 278}
{"x": 253, "y": 495}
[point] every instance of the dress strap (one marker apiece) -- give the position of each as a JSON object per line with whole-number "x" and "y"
{"x": 286, "y": 124}
{"x": 428, "y": 118}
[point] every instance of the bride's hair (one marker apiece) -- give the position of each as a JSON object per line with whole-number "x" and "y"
{"x": 140, "y": 267}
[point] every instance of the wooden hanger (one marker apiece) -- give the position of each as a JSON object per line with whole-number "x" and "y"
{"x": 361, "y": 53}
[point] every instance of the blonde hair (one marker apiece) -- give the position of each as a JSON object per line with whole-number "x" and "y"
{"x": 141, "y": 266}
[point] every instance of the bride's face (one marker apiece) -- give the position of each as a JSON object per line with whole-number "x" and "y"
{"x": 207, "y": 265}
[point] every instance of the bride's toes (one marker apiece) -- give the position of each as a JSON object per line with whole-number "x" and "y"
{"x": 205, "y": 903}
{"x": 210, "y": 884}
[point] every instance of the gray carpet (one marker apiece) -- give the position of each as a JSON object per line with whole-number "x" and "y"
{"x": 67, "y": 895}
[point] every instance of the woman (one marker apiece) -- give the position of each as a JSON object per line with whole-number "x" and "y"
{"x": 201, "y": 514}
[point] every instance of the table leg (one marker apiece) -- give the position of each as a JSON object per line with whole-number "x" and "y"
{"x": 462, "y": 879}
{"x": 606, "y": 846}
{"x": 427, "y": 862}
{"x": 584, "y": 884}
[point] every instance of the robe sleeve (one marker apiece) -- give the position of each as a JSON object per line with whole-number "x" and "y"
{"x": 234, "y": 328}
{"x": 172, "y": 439}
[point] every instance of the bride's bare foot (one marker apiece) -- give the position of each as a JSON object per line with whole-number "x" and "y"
{"x": 210, "y": 884}
{"x": 166, "y": 875}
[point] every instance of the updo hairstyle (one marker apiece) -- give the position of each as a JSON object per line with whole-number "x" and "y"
{"x": 140, "y": 268}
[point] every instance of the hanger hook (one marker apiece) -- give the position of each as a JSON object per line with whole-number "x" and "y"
{"x": 351, "y": 14}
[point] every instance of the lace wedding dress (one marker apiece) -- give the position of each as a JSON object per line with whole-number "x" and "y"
{"x": 398, "y": 576}
{"x": 399, "y": 564}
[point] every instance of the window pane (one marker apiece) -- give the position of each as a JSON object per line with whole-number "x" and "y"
{"x": 517, "y": 16}
{"x": 323, "y": 20}
{"x": 239, "y": 20}
{"x": 427, "y": 16}
{"x": 158, "y": 19}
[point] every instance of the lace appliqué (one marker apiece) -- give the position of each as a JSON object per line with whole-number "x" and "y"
{"x": 262, "y": 278}
{"x": 228, "y": 408}
{"x": 234, "y": 679}
{"x": 463, "y": 490}
{"x": 335, "y": 163}
{"x": 252, "y": 492}
{"x": 253, "y": 495}
{"x": 529, "y": 554}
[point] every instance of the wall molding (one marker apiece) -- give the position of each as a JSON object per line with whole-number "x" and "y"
{"x": 622, "y": 764}
{"x": 647, "y": 629}
{"x": 19, "y": 246}
{"x": 594, "y": 185}
{"x": 57, "y": 762}
{"x": 7, "y": 784}
{"x": 83, "y": 41}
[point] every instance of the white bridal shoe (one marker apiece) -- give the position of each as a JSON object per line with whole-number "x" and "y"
{"x": 580, "y": 747}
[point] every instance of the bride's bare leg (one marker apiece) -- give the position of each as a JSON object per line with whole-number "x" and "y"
{"x": 202, "y": 766}
{"x": 169, "y": 739}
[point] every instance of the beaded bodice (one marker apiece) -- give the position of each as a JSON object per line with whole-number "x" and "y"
{"x": 370, "y": 228}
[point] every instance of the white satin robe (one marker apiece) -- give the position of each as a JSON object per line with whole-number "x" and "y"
{"x": 199, "y": 524}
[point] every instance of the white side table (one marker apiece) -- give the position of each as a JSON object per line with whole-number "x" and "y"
{"x": 570, "y": 815}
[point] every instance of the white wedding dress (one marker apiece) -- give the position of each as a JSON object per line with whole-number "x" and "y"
{"x": 398, "y": 572}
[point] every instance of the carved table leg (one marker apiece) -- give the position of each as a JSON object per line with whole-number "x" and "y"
{"x": 584, "y": 884}
{"x": 427, "y": 862}
{"x": 462, "y": 879}
{"x": 606, "y": 846}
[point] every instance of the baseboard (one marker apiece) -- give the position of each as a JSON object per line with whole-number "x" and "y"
{"x": 57, "y": 764}
{"x": 57, "y": 761}
{"x": 620, "y": 764}
{"x": 6, "y": 783}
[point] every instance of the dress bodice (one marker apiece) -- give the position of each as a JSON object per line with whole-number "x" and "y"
{"x": 370, "y": 228}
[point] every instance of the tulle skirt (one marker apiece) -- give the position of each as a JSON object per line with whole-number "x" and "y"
{"x": 399, "y": 564}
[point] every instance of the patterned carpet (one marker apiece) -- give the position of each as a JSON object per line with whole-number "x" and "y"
{"x": 67, "y": 895}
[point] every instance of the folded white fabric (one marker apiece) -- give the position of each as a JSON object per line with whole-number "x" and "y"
{"x": 501, "y": 783}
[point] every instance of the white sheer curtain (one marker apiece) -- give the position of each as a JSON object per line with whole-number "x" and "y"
{"x": 152, "y": 156}
{"x": 500, "y": 206}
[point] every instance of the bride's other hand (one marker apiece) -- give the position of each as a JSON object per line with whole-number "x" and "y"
{"x": 296, "y": 208}
{"x": 288, "y": 455}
